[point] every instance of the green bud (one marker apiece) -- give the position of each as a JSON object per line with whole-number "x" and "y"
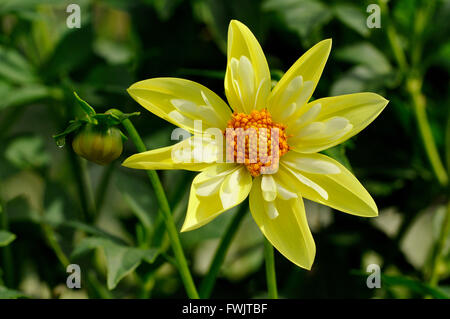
{"x": 98, "y": 144}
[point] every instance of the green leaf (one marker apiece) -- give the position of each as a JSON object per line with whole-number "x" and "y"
{"x": 6, "y": 238}
{"x": 10, "y": 6}
{"x": 89, "y": 110}
{"x": 110, "y": 118}
{"x": 112, "y": 51}
{"x": 359, "y": 79}
{"x": 303, "y": 16}
{"x": 352, "y": 17}
{"x": 60, "y": 138}
{"x": 139, "y": 198}
{"x": 27, "y": 152}
{"x": 24, "y": 95}
{"x": 14, "y": 67}
{"x": 93, "y": 230}
{"x": 411, "y": 284}
{"x": 415, "y": 286}
{"x": 121, "y": 260}
{"x": 403, "y": 13}
{"x": 365, "y": 53}
{"x": 352, "y": 81}
{"x": 6, "y": 293}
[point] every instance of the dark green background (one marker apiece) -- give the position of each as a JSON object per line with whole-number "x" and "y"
{"x": 121, "y": 42}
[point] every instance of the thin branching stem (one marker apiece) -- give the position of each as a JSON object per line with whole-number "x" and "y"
{"x": 166, "y": 213}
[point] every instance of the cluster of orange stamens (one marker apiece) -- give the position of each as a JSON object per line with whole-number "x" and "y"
{"x": 257, "y": 130}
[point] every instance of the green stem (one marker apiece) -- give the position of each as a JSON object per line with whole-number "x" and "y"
{"x": 103, "y": 186}
{"x": 84, "y": 187}
{"x": 210, "y": 279}
{"x": 95, "y": 288}
{"x": 53, "y": 242}
{"x": 394, "y": 40}
{"x": 419, "y": 103}
{"x": 443, "y": 235}
{"x": 166, "y": 214}
{"x": 421, "y": 20}
{"x": 270, "y": 270}
{"x": 85, "y": 179}
{"x": 439, "y": 248}
{"x": 447, "y": 142}
{"x": 7, "y": 254}
{"x": 414, "y": 86}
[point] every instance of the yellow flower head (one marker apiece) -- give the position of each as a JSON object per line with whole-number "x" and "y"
{"x": 270, "y": 141}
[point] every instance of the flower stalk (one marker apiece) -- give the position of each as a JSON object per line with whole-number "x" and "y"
{"x": 439, "y": 248}
{"x": 419, "y": 103}
{"x": 445, "y": 227}
{"x": 270, "y": 270}
{"x": 165, "y": 212}
{"x": 414, "y": 89}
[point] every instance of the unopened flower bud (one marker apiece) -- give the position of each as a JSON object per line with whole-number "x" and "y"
{"x": 98, "y": 144}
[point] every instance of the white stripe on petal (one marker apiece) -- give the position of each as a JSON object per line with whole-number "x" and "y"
{"x": 262, "y": 83}
{"x": 197, "y": 112}
{"x": 335, "y": 124}
{"x": 209, "y": 187}
{"x": 309, "y": 183}
{"x": 288, "y": 111}
{"x": 312, "y": 165}
{"x": 229, "y": 191}
{"x": 271, "y": 210}
{"x": 311, "y": 130}
{"x": 309, "y": 115}
{"x": 304, "y": 94}
{"x": 268, "y": 188}
{"x": 204, "y": 97}
{"x": 292, "y": 89}
{"x": 246, "y": 74}
{"x": 177, "y": 117}
{"x": 284, "y": 193}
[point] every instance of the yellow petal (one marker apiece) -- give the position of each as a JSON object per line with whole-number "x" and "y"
{"x": 247, "y": 78}
{"x": 181, "y": 102}
{"x": 286, "y": 229}
{"x": 191, "y": 154}
{"x": 214, "y": 191}
{"x": 338, "y": 119}
{"x": 343, "y": 191}
{"x": 297, "y": 85}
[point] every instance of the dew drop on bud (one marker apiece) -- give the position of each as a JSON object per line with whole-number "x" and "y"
{"x": 60, "y": 142}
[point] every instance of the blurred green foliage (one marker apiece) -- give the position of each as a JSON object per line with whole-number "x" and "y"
{"x": 56, "y": 209}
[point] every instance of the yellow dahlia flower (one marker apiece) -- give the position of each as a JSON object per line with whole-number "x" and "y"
{"x": 284, "y": 117}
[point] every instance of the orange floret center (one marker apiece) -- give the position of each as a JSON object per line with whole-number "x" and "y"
{"x": 255, "y": 141}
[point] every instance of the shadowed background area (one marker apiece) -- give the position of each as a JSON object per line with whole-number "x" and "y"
{"x": 56, "y": 208}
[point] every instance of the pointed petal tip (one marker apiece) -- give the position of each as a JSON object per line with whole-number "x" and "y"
{"x": 183, "y": 229}
{"x": 235, "y": 22}
{"x": 374, "y": 213}
{"x": 130, "y": 162}
{"x": 186, "y": 227}
{"x": 327, "y": 42}
{"x": 308, "y": 265}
